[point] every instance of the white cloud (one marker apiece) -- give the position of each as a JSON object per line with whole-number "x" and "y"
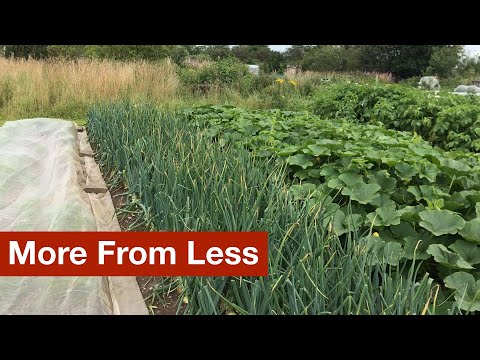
{"x": 472, "y": 49}
{"x": 280, "y": 48}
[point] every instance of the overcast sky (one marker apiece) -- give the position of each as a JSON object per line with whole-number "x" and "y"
{"x": 280, "y": 48}
{"x": 469, "y": 49}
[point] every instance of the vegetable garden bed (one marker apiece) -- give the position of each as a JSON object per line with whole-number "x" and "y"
{"x": 360, "y": 219}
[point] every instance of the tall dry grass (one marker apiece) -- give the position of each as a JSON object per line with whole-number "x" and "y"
{"x": 65, "y": 89}
{"x": 365, "y": 75}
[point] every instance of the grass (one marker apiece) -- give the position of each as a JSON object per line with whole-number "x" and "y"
{"x": 352, "y": 76}
{"x": 66, "y": 89}
{"x": 180, "y": 181}
{"x": 57, "y": 88}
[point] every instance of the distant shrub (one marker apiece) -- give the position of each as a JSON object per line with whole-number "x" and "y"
{"x": 448, "y": 121}
{"x": 228, "y": 72}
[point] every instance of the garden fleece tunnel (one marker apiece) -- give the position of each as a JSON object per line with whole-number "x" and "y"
{"x": 49, "y": 181}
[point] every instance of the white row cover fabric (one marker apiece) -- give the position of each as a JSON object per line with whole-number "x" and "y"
{"x": 41, "y": 189}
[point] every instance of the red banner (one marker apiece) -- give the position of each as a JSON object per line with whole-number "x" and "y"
{"x": 133, "y": 254}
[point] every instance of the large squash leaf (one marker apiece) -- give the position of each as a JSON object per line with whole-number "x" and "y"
{"x": 440, "y": 222}
{"x": 447, "y": 258}
{"x": 467, "y": 290}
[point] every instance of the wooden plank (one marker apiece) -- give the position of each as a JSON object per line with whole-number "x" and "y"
{"x": 104, "y": 212}
{"x": 94, "y": 175}
{"x": 86, "y": 153}
{"x": 95, "y": 189}
{"x": 84, "y": 144}
{"x": 125, "y": 294}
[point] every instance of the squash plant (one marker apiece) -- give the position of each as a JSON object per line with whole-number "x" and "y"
{"x": 423, "y": 202}
{"x": 446, "y": 120}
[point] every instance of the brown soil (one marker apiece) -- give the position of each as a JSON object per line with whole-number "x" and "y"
{"x": 119, "y": 200}
{"x": 165, "y": 304}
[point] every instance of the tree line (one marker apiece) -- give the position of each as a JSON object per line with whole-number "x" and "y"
{"x": 403, "y": 61}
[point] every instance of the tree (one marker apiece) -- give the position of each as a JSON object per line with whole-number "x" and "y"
{"x": 295, "y": 54}
{"x": 66, "y": 51}
{"x": 353, "y": 57}
{"x": 193, "y": 49}
{"x": 178, "y": 54}
{"x": 262, "y": 55}
{"x": 403, "y": 61}
{"x": 115, "y": 52}
{"x": 217, "y": 52}
{"x": 27, "y": 51}
{"x": 324, "y": 58}
{"x": 135, "y": 52}
{"x": 276, "y": 62}
{"x": 444, "y": 60}
{"x": 252, "y": 54}
{"x": 470, "y": 66}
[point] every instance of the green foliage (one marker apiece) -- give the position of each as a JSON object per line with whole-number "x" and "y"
{"x": 229, "y": 72}
{"x": 27, "y": 51}
{"x": 444, "y": 60}
{"x": 262, "y": 55}
{"x": 420, "y": 197}
{"x": 468, "y": 251}
{"x": 284, "y": 94}
{"x": 467, "y": 290}
{"x": 448, "y": 258}
{"x": 177, "y": 53}
{"x": 403, "y": 61}
{"x": 6, "y": 91}
{"x": 441, "y": 222}
{"x": 295, "y": 54}
{"x": 469, "y": 66}
{"x": 332, "y": 58}
{"x": 471, "y": 230}
{"x": 449, "y": 121}
{"x": 216, "y": 52}
{"x": 262, "y": 81}
{"x": 66, "y": 51}
{"x": 184, "y": 182}
{"x": 324, "y": 58}
{"x": 136, "y": 52}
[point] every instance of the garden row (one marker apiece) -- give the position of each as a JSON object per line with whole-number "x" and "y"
{"x": 187, "y": 172}
{"x": 445, "y": 120}
{"x": 420, "y": 200}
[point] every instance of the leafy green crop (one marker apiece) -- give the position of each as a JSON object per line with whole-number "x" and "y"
{"x": 467, "y": 289}
{"x": 420, "y": 199}
{"x": 184, "y": 182}
{"x": 445, "y": 120}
